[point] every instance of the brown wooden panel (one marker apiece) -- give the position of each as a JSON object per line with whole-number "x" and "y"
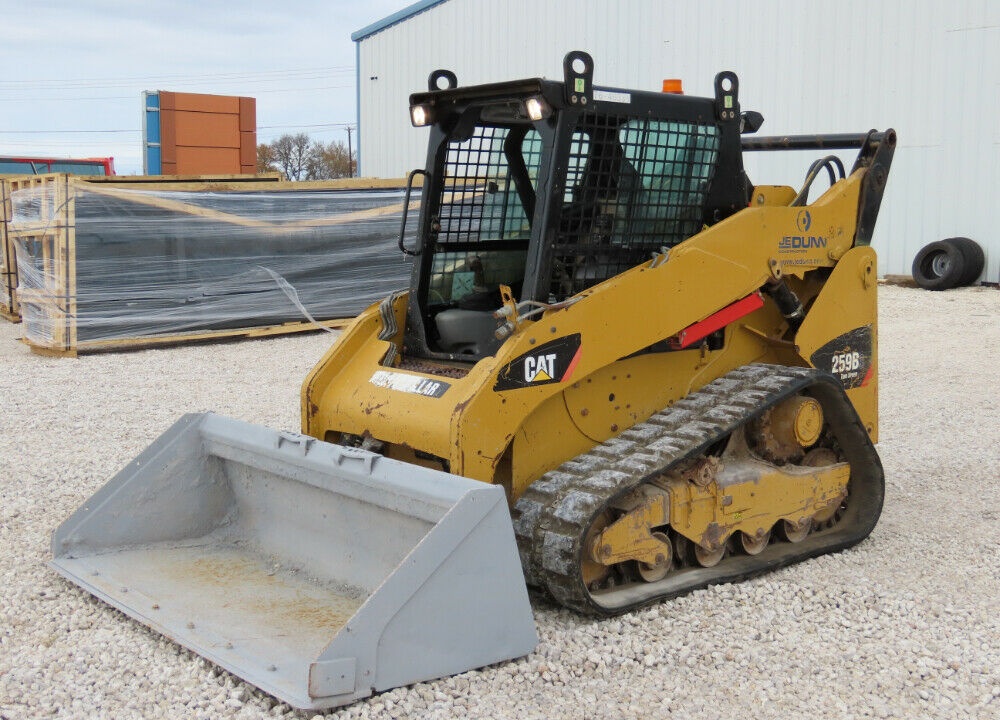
{"x": 198, "y": 129}
{"x": 248, "y": 148}
{"x": 168, "y": 142}
{"x": 248, "y": 114}
{"x": 192, "y": 102}
{"x": 167, "y": 100}
{"x": 203, "y": 160}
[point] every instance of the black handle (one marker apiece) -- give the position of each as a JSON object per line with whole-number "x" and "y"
{"x": 406, "y": 211}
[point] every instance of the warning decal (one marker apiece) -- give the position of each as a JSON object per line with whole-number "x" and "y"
{"x": 413, "y": 384}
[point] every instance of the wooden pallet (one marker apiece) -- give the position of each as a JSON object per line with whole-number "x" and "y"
{"x": 147, "y": 343}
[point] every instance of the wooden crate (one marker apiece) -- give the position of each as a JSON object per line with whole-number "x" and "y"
{"x": 58, "y": 310}
{"x": 9, "y": 307}
{"x": 53, "y": 234}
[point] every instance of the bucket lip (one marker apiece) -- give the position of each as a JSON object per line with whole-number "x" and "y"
{"x": 240, "y": 665}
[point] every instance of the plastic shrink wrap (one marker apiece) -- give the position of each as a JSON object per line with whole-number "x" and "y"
{"x": 101, "y": 266}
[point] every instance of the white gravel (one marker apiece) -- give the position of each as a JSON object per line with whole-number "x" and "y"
{"x": 906, "y": 625}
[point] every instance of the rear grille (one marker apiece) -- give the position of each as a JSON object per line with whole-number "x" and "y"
{"x": 427, "y": 367}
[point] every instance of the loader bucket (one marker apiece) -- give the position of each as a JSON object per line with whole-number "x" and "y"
{"x": 319, "y": 573}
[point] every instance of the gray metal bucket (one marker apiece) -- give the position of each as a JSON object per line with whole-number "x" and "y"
{"x": 319, "y": 573}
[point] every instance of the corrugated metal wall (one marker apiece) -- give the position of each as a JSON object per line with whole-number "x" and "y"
{"x": 929, "y": 69}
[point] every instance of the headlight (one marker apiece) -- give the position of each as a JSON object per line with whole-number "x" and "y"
{"x": 537, "y": 108}
{"x": 420, "y": 115}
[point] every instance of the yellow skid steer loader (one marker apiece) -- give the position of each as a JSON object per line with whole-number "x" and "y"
{"x": 622, "y": 371}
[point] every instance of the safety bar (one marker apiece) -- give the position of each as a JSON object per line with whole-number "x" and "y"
{"x": 833, "y": 141}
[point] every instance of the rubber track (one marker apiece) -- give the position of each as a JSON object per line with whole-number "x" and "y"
{"x": 552, "y": 516}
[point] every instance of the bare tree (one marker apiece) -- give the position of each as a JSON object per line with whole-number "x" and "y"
{"x": 266, "y": 161}
{"x": 301, "y": 159}
{"x": 292, "y": 155}
{"x": 328, "y": 161}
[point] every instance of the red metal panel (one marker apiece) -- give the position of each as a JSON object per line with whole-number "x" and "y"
{"x": 108, "y": 163}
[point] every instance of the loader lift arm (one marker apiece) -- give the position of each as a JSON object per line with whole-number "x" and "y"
{"x": 874, "y": 156}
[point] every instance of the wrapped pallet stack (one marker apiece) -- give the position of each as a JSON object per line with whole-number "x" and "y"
{"x": 103, "y": 266}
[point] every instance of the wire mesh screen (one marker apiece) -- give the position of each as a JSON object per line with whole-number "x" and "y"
{"x": 484, "y": 227}
{"x": 479, "y": 200}
{"x": 632, "y": 187}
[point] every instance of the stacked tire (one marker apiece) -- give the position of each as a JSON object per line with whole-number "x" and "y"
{"x": 946, "y": 264}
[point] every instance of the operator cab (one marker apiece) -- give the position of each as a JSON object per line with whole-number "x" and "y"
{"x": 550, "y": 188}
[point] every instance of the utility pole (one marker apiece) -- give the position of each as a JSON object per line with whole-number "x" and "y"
{"x": 350, "y": 154}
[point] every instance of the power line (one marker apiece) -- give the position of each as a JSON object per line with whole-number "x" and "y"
{"x": 255, "y": 92}
{"x": 68, "y": 143}
{"x": 320, "y": 125}
{"x": 64, "y": 132}
{"x": 331, "y": 126}
{"x": 264, "y": 76}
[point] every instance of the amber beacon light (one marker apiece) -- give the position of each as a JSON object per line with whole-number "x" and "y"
{"x": 673, "y": 85}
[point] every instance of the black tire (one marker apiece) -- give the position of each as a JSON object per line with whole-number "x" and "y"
{"x": 939, "y": 266}
{"x": 973, "y": 256}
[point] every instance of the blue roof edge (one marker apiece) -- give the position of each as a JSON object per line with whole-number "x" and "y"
{"x": 397, "y": 17}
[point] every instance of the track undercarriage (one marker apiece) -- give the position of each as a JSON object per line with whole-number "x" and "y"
{"x": 764, "y": 467}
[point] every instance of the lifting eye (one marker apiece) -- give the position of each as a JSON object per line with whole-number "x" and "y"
{"x": 434, "y": 81}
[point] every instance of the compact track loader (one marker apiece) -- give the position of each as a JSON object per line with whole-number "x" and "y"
{"x": 666, "y": 373}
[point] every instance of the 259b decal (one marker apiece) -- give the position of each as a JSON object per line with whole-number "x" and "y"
{"x": 848, "y": 357}
{"x": 845, "y": 363}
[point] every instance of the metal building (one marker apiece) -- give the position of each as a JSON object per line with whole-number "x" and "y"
{"x": 926, "y": 68}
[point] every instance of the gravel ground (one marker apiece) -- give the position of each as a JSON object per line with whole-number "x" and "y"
{"x": 905, "y": 625}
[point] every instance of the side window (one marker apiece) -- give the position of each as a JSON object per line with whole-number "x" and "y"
{"x": 505, "y": 217}
{"x": 675, "y": 162}
{"x": 482, "y": 216}
{"x": 479, "y": 200}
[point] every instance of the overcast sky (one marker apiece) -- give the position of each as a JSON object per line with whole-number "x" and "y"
{"x": 74, "y": 70}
